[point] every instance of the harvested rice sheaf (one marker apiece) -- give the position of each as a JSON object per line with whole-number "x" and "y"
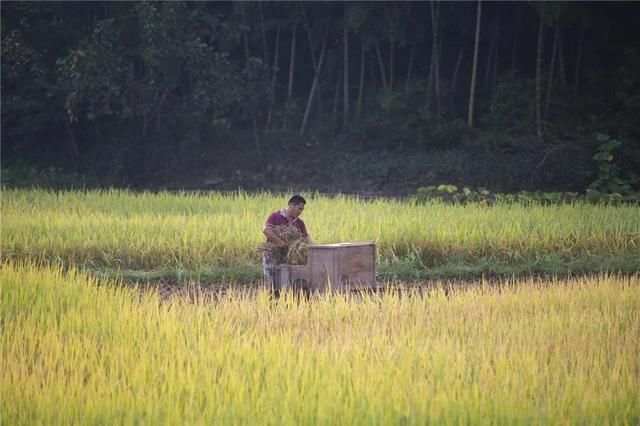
{"x": 294, "y": 253}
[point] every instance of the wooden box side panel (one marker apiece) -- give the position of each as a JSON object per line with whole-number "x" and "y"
{"x": 357, "y": 266}
{"x": 322, "y": 263}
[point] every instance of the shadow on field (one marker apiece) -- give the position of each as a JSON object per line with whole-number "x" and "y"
{"x": 195, "y": 292}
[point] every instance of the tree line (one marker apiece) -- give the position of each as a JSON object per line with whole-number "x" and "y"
{"x": 140, "y": 92}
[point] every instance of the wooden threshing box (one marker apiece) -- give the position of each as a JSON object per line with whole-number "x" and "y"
{"x": 343, "y": 266}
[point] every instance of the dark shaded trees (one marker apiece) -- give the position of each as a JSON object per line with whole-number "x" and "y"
{"x": 142, "y": 81}
{"x": 145, "y": 91}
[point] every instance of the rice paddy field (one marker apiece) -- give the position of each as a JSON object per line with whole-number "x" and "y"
{"x": 564, "y": 352}
{"x": 80, "y": 348}
{"x": 144, "y": 231}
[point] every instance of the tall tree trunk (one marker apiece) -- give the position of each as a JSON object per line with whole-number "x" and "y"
{"x": 265, "y": 51}
{"x": 373, "y": 74}
{"x": 474, "y": 69}
{"x": 576, "y": 78}
{"x": 394, "y": 18}
{"x": 256, "y": 135}
{"x": 435, "y": 24}
{"x": 361, "y": 84}
{"x": 254, "y": 121}
{"x": 73, "y": 144}
{"x": 246, "y": 39}
{"x": 456, "y": 70}
{"x": 292, "y": 62}
{"x": 345, "y": 78}
{"x": 410, "y": 68}
{"x": 274, "y": 78}
{"x": 489, "y": 63}
{"x": 515, "y": 24}
{"x": 336, "y": 99}
{"x": 314, "y": 85}
{"x": 307, "y": 28}
{"x": 496, "y": 58}
{"x": 562, "y": 69}
{"x": 432, "y": 64}
{"x": 454, "y": 81}
{"x": 514, "y": 55}
{"x": 382, "y": 73}
{"x": 438, "y": 86}
{"x": 391, "y": 53}
{"x": 554, "y": 51}
{"x": 539, "y": 52}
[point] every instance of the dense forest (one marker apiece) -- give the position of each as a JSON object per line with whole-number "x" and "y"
{"x": 333, "y": 96}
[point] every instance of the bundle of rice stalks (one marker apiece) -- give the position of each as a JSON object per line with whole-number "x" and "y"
{"x": 294, "y": 253}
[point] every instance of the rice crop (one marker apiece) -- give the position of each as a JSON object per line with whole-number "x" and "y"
{"x": 295, "y": 251}
{"x": 78, "y": 350}
{"x": 122, "y": 229}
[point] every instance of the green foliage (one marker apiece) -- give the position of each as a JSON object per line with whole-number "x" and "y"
{"x": 388, "y": 125}
{"x": 511, "y": 107}
{"x": 627, "y": 88}
{"x": 95, "y": 75}
{"x": 357, "y": 15}
{"x": 33, "y": 37}
{"x": 453, "y": 194}
{"x": 398, "y": 165}
{"x": 165, "y": 59}
{"x": 23, "y": 175}
{"x": 449, "y": 134}
{"x": 402, "y": 119}
{"x": 609, "y": 179}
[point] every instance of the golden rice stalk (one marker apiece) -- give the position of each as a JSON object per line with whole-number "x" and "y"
{"x": 294, "y": 253}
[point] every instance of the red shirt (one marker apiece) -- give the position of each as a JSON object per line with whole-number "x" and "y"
{"x": 279, "y": 218}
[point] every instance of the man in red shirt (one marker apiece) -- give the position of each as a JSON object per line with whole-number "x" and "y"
{"x": 288, "y": 216}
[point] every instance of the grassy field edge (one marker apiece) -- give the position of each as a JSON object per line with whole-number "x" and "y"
{"x": 401, "y": 270}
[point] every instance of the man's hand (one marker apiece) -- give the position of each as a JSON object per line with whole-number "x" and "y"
{"x": 271, "y": 236}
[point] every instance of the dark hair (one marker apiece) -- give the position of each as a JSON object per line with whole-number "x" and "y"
{"x": 297, "y": 199}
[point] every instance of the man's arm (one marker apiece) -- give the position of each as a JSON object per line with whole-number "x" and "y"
{"x": 271, "y": 236}
{"x": 303, "y": 230}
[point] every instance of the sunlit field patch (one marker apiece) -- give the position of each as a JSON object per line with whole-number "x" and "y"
{"x": 121, "y": 229}
{"x": 76, "y": 350}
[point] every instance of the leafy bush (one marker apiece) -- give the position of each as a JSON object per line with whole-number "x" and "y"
{"x": 609, "y": 179}
{"x": 23, "y": 175}
{"x": 450, "y": 134}
{"x": 512, "y": 106}
{"x": 453, "y": 194}
{"x": 404, "y": 166}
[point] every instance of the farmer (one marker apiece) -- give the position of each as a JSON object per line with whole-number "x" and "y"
{"x": 289, "y": 216}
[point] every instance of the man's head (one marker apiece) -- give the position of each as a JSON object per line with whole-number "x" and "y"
{"x": 296, "y": 205}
